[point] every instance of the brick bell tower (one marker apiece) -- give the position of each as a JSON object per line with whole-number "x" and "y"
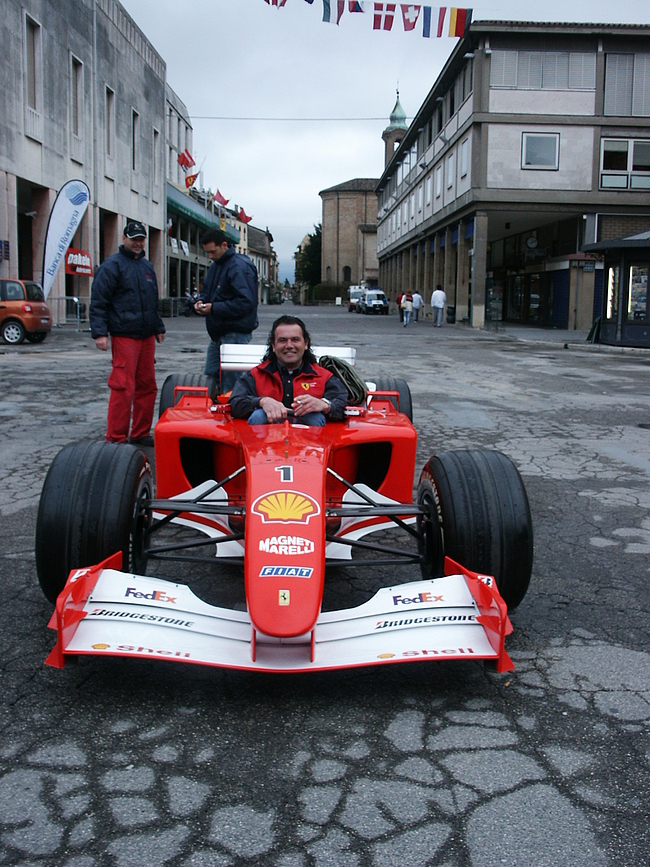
{"x": 395, "y": 131}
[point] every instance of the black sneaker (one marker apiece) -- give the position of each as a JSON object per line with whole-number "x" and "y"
{"x": 143, "y": 441}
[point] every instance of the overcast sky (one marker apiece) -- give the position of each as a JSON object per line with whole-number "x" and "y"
{"x": 246, "y": 59}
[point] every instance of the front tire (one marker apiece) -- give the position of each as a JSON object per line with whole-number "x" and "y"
{"x": 192, "y": 379}
{"x": 91, "y": 507}
{"x": 13, "y": 332}
{"x": 484, "y": 518}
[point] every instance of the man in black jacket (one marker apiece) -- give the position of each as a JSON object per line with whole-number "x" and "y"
{"x": 124, "y": 304}
{"x": 228, "y": 300}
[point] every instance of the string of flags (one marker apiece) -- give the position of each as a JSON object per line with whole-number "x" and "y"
{"x": 186, "y": 162}
{"x": 437, "y": 21}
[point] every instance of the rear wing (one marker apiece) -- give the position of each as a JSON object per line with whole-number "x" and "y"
{"x": 235, "y": 356}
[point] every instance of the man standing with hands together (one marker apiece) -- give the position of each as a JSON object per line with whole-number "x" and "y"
{"x": 124, "y": 304}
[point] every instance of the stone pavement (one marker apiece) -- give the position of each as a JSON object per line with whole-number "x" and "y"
{"x": 124, "y": 763}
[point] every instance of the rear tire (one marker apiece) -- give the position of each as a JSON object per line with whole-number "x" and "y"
{"x": 389, "y": 383}
{"x": 176, "y": 379}
{"x": 90, "y": 508}
{"x": 36, "y": 337}
{"x": 13, "y": 332}
{"x": 484, "y": 518}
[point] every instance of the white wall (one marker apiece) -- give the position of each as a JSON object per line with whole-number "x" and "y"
{"x": 504, "y": 158}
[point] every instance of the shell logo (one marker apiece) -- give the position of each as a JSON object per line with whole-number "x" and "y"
{"x": 386, "y": 656}
{"x": 285, "y": 507}
{"x": 101, "y": 646}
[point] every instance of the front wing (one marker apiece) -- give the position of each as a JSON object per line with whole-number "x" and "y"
{"x": 105, "y": 612}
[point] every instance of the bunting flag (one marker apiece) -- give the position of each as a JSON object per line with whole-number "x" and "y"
{"x": 437, "y": 15}
{"x": 410, "y": 15}
{"x": 185, "y": 160}
{"x": 219, "y": 199}
{"x": 384, "y": 15}
{"x": 243, "y": 216}
{"x": 436, "y": 20}
{"x": 459, "y": 21}
{"x": 190, "y": 180}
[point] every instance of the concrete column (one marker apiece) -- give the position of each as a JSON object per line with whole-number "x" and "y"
{"x": 426, "y": 277}
{"x": 479, "y": 269}
{"x": 12, "y": 225}
{"x": 447, "y": 271}
{"x": 412, "y": 275}
{"x": 462, "y": 276}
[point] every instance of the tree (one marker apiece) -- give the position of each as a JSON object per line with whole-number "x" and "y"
{"x": 308, "y": 258}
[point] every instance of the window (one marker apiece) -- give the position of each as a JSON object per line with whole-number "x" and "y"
{"x": 438, "y": 182}
{"x": 110, "y": 122}
{"x": 135, "y": 139}
{"x": 428, "y": 193}
{"x": 637, "y": 307}
{"x": 420, "y": 197}
{"x": 540, "y": 151}
{"x": 546, "y": 70}
{"x": 450, "y": 171}
{"x": 347, "y": 274}
{"x": 32, "y": 51}
{"x": 464, "y": 158}
{"x": 155, "y": 163}
{"x": 33, "y": 88}
{"x": 405, "y": 214}
{"x": 529, "y": 70}
{"x": 625, "y": 164}
{"x": 412, "y": 205}
{"x": 627, "y": 85}
{"x": 76, "y": 97}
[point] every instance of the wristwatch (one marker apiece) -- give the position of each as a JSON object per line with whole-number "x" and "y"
{"x": 326, "y": 401}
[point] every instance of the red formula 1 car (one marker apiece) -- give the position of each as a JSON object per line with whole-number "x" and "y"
{"x": 285, "y": 501}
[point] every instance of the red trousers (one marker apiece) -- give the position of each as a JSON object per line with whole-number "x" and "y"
{"x": 133, "y": 388}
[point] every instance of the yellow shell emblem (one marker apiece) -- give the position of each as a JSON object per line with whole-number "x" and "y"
{"x": 286, "y": 507}
{"x": 101, "y": 646}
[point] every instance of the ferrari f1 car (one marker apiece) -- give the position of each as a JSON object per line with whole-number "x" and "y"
{"x": 287, "y": 502}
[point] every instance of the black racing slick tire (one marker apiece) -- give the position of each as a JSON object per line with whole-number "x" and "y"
{"x": 389, "y": 383}
{"x": 193, "y": 379}
{"x": 484, "y": 520}
{"x": 92, "y": 507}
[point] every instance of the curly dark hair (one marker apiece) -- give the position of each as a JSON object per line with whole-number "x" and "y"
{"x": 289, "y": 320}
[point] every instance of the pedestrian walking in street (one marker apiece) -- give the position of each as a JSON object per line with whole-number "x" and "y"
{"x": 228, "y": 300}
{"x": 124, "y": 305}
{"x": 418, "y": 304}
{"x": 407, "y": 307}
{"x": 438, "y": 301}
{"x": 398, "y": 301}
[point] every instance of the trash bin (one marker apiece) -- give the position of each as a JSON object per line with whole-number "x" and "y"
{"x": 451, "y": 315}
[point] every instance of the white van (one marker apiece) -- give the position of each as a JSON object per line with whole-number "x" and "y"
{"x": 354, "y": 294}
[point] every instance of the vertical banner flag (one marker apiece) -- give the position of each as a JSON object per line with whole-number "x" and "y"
{"x": 384, "y": 14}
{"x": 410, "y": 15}
{"x": 67, "y": 213}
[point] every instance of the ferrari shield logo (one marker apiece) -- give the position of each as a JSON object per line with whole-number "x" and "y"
{"x": 284, "y": 597}
{"x": 285, "y": 507}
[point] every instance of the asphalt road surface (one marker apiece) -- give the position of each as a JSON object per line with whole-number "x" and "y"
{"x": 129, "y": 763}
